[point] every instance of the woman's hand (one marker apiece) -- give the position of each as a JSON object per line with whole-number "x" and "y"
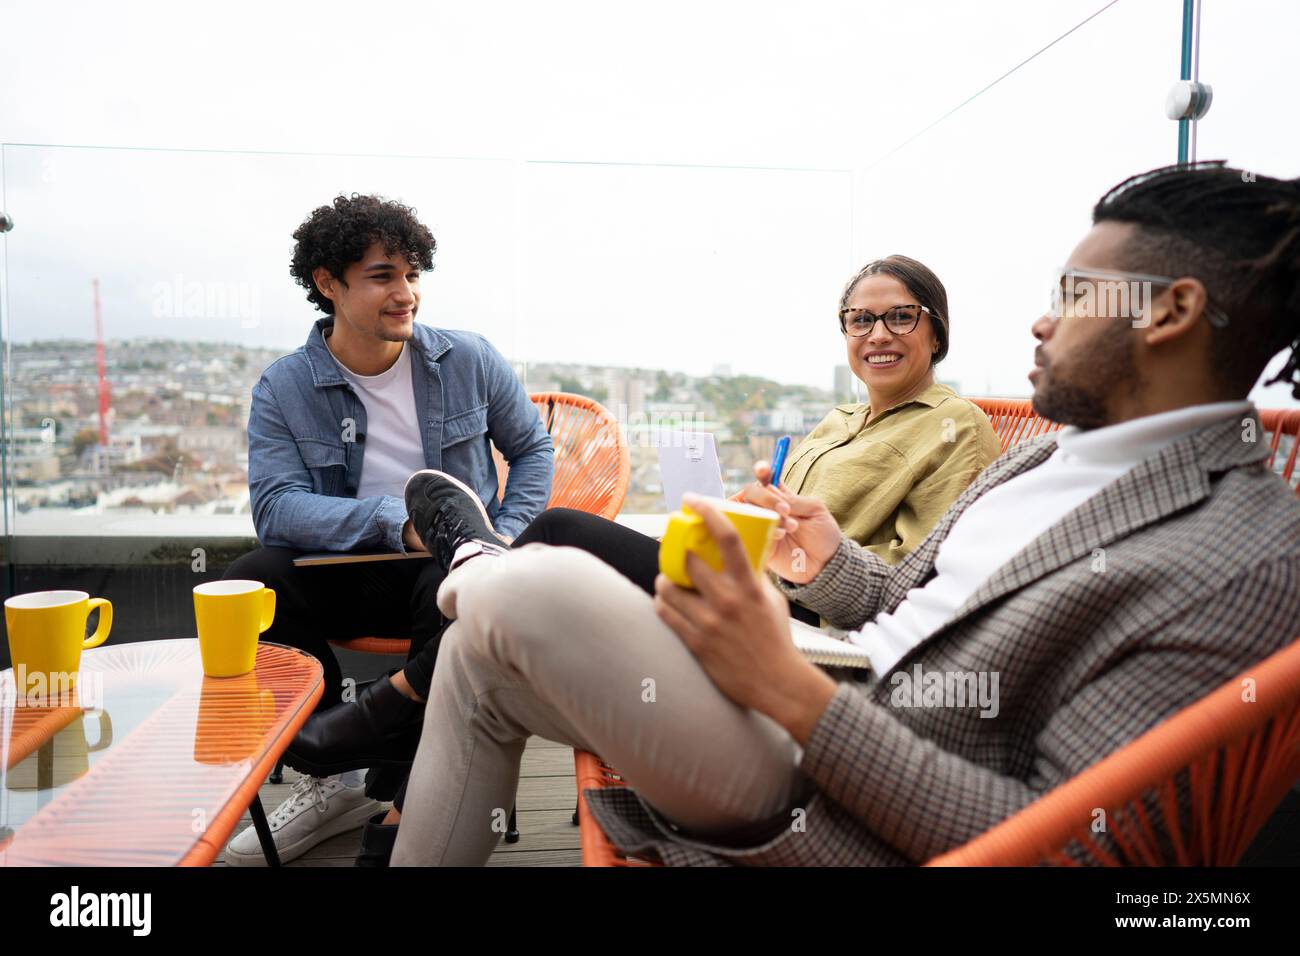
{"x": 807, "y": 536}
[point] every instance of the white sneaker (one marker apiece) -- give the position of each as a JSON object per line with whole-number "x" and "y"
{"x": 316, "y": 809}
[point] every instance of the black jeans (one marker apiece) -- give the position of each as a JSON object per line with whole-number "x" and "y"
{"x": 315, "y": 605}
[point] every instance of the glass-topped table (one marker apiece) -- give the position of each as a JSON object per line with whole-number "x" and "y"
{"x": 148, "y": 762}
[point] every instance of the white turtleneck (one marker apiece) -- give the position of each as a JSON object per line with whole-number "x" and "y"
{"x": 1005, "y": 520}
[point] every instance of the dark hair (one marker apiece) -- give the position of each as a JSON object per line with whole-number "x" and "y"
{"x": 922, "y": 284}
{"x": 338, "y": 235}
{"x": 1239, "y": 234}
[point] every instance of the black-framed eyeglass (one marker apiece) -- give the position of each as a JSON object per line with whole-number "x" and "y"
{"x": 900, "y": 320}
{"x": 1091, "y": 292}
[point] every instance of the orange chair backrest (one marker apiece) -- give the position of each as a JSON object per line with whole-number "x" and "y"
{"x": 1239, "y": 749}
{"x": 1014, "y": 421}
{"x": 1282, "y": 429}
{"x": 593, "y": 466}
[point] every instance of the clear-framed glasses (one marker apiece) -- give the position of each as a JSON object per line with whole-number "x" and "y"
{"x": 900, "y": 320}
{"x": 1089, "y": 293}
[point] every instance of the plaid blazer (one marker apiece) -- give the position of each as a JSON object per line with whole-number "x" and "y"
{"x": 1170, "y": 581}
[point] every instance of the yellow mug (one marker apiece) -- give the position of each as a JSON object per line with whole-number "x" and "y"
{"x": 230, "y": 615}
{"x": 687, "y": 533}
{"x": 47, "y": 633}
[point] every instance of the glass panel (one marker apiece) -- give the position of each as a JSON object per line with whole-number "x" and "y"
{"x": 694, "y": 295}
{"x": 182, "y": 259}
{"x": 994, "y": 197}
{"x": 691, "y": 297}
{"x": 1240, "y": 60}
{"x": 668, "y": 293}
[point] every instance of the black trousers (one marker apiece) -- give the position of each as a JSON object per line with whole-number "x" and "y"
{"x": 630, "y": 553}
{"x": 397, "y": 598}
{"x": 337, "y": 601}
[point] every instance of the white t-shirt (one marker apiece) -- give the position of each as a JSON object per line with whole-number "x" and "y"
{"x": 1005, "y": 520}
{"x": 394, "y": 449}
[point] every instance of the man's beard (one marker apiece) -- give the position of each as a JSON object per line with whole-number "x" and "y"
{"x": 387, "y": 336}
{"x": 1111, "y": 370}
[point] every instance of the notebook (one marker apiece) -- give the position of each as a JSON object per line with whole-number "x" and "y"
{"x": 820, "y": 648}
{"x": 688, "y": 461}
{"x": 354, "y": 557}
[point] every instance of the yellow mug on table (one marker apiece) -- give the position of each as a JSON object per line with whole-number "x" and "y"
{"x": 687, "y": 532}
{"x": 47, "y": 633}
{"x": 230, "y": 615}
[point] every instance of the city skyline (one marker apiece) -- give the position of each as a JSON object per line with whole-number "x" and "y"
{"x": 177, "y": 424}
{"x": 609, "y": 213}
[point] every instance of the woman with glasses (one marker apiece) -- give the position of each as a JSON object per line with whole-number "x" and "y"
{"x": 889, "y": 467}
{"x": 886, "y": 469}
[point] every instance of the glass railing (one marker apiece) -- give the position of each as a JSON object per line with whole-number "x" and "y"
{"x": 148, "y": 289}
{"x": 145, "y": 290}
{"x": 1239, "y": 58}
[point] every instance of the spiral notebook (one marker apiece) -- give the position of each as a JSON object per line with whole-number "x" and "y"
{"x": 821, "y": 648}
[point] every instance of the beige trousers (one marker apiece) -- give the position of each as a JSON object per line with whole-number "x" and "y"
{"x": 552, "y": 641}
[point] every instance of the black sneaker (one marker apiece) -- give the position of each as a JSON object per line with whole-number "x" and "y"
{"x": 446, "y": 514}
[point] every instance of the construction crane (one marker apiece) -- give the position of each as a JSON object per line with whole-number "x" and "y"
{"x": 105, "y": 396}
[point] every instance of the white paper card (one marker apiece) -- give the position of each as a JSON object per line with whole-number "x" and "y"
{"x": 688, "y": 461}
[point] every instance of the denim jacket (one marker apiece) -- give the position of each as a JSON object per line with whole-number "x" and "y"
{"x": 307, "y": 434}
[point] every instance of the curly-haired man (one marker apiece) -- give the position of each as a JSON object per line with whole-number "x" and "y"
{"x": 335, "y": 430}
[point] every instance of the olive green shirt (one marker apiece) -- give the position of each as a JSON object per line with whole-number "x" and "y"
{"x": 888, "y": 481}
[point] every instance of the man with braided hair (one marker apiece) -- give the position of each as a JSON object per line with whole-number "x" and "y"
{"x": 1239, "y": 236}
{"x": 1096, "y": 580}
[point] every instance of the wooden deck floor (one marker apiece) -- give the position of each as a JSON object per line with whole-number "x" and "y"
{"x": 545, "y": 801}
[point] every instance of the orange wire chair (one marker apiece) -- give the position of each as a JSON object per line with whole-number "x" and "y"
{"x": 593, "y": 468}
{"x": 1015, "y": 421}
{"x": 592, "y": 773}
{"x": 592, "y": 463}
{"x": 1282, "y": 425}
{"x": 1239, "y": 750}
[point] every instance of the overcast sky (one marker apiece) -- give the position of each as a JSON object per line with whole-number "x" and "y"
{"x": 672, "y": 185}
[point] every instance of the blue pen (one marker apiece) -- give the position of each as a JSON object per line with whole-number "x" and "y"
{"x": 778, "y": 459}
